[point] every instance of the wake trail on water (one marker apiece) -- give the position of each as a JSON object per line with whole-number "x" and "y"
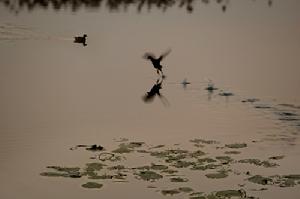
{"x": 11, "y": 32}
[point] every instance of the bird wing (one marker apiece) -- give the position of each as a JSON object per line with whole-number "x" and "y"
{"x": 148, "y": 56}
{"x": 164, "y": 54}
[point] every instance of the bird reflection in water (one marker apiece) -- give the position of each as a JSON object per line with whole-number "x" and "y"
{"x": 155, "y": 91}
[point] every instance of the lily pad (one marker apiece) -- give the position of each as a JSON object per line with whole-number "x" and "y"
{"x": 185, "y": 189}
{"x": 123, "y": 148}
{"x": 169, "y": 171}
{"x": 54, "y": 174}
{"x": 157, "y": 146}
{"x": 232, "y": 152}
{"x": 109, "y": 157}
{"x": 205, "y": 167}
{"x": 231, "y": 193}
{"x": 92, "y": 185}
{"x": 258, "y": 162}
{"x": 158, "y": 167}
{"x": 197, "y": 197}
{"x": 117, "y": 167}
{"x": 236, "y": 145}
{"x": 64, "y": 169}
{"x": 95, "y": 166}
{"x": 202, "y": 141}
{"x": 103, "y": 177}
{"x": 258, "y": 179}
{"x": 71, "y": 172}
{"x": 149, "y": 175}
{"x": 218, "y": 175}
{"x": 250, "y": 100}
{"x": 206, "y": 160}
{"x": 197, "y": 153}
{"x": 182, "y": 164}
{"x": 170, "y": 192}
{"x": 196, "y": 194}
{"x": 293, "y": 176}
{"x": 135, "y": 144}
{"x": 120, "y": 176}
{"x": 178, "y": 179}
{"x": 224, "y": 159}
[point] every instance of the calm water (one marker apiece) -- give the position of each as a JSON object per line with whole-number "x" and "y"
{"x": 56, "y": 94}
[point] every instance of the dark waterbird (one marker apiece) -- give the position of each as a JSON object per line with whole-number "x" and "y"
{"x": 211, "y": 86}
{"x": 156, "y": 61}
{"x": 155, "y": 91}
{"x": 81, "y": 40}
{"x": 185, "y": 83}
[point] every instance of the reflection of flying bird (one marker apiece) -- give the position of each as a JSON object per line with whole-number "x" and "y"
{"x": 155, "y": 91}
{"x": 81, "y": 40}
{"x": 156, "y": 61}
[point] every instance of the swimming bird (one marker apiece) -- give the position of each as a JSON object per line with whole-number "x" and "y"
{"x": 185, "y": 83}
{"x": 81, "y": 40}
{"x": 211, "y": 86}
{"x": 156, "y": 61}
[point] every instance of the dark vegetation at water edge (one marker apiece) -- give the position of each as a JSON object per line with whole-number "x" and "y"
{"x": 113, "y": 5}
{"x": 171, "y": 163}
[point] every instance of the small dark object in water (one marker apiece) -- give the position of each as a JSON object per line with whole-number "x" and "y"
{"x": 262, "y": 107}
{"x": 185, "y": 83}
{"x": 270, "y": 3}
{"x": 211, "y": 86}
{"x": 250, "y": 100}
{"x": 95, "y": 148}
{"x": 224, "y": 8}
{"x": 287, "y": 114}
{"x": 226, "y": 94}
{"x": 81, "y": 40}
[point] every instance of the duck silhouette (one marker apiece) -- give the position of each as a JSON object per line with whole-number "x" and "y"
{"x": 81, "y": 40}
{"x": 156, "y": 61}
{"x": 211, "y": 86}
{"x": 155, "y": 91}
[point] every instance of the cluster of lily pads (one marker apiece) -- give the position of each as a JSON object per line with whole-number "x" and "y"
{"x": 170, "y": 163}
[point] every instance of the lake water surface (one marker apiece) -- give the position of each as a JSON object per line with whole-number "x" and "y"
{"x": 56, "y": 94}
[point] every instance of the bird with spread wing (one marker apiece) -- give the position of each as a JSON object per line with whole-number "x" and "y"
{"x": 156, "y": 61}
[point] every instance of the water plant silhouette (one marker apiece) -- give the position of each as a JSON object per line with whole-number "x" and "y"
{"x": 112, "y": 5}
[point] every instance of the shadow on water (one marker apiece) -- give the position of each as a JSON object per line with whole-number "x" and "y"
{"x": 113, "y": 5}
{"x": 155, "y": 91}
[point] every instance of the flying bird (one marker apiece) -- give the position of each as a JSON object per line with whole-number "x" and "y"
{"x": 156, "y": 61}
